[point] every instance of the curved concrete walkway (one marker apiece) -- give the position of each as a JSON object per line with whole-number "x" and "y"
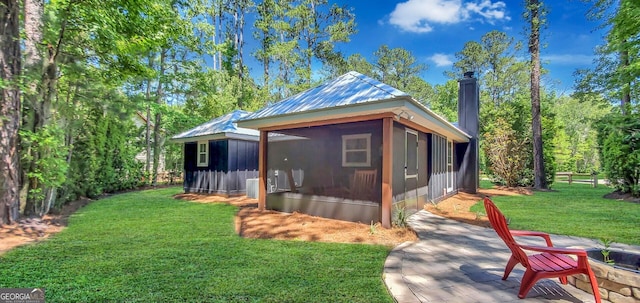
{"x": 458, "y": 262}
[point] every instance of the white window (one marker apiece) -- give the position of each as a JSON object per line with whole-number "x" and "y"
{"x": 356, "y": 150}
{"x": 203, "y": 153}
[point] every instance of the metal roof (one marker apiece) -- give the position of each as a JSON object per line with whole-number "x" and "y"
{"x": 349, "y": 95}
{"x": 218, "y": 128}
{"x": 350, "y": 88}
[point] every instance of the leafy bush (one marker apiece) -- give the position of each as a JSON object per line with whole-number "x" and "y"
{"x": 400, "y": 217}
{"x": 619, "y": 141}
{"x": 506, "y": 153}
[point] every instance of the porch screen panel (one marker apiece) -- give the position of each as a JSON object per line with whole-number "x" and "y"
{"x": 412, "y": 153}
{"x": 439, "y": 161}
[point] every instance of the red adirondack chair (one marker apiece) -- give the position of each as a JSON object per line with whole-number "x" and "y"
{"x": 550, "y": 262}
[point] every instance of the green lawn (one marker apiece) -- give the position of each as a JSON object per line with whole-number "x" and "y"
{"x": 576, "y": 209}
{"x": 147, "y": 247}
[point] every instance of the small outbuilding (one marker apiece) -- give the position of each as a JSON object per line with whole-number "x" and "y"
{"x": 219, "y": 156}
{"x": 359, "y": 150}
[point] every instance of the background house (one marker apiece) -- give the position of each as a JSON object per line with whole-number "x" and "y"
{"x": 219, "y": 156}
{"x": 356, "y": 128}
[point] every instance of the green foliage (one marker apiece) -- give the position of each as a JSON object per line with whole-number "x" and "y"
{"x": 574, "y": 210}
{"x": 507, "y": 154}
{"x": 103, "y": 158}
{"x": 618, "y": 61}
{"x": 445, "y": 102}
{"x": 400, "y": 217}
{"x": 576, "y": 146}
{"x": 148, "y": 247}
{"x": 619, "y": 141}
{"x": 51, "y": 167}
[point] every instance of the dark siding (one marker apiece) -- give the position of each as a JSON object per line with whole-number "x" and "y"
{"x": 398, "y": 183}
{"x": 231, "y": 162}
{"x": 423, "y": 173}
{"x": 190, "y": 157}
{"x": 190, "y": 164}
{"x": 218, "y": 156}
{"x": 404, "y": 189}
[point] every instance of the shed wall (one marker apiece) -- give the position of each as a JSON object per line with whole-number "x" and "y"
{"x": 231, "y": 163}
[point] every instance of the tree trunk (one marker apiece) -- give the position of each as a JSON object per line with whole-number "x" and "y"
{"x": 626, "y": 87}
{"x": 33, "y": 11}
{"x": 157, "y": 144}
{"x": 9, "y": 110}
{"x": 540, "y": 181}
{"x": 147, "y": 133}
{"x": 42, "y": 113}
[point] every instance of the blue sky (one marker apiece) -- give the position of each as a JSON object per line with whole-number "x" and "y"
{"x": 434, "y": 30}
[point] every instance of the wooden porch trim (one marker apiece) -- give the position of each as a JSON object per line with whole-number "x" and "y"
{"x": 330, "y": 121}
{"x": 416, "y": 126}
{"x": 387, "y": 171}
{"x": 262, "y": 170}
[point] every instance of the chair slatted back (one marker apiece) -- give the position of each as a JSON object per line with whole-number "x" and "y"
{"x": 499, "y": 224}
{"x": 364, "y": 181}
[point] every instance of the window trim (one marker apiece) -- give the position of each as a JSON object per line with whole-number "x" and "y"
{"x": 345, "y": 138}
{"x": 205, "y": 152}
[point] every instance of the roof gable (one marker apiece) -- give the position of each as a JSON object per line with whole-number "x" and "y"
{"x": 348, "y": 89}
{"x": 222, "y": 125}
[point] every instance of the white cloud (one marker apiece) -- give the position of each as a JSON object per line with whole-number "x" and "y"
{"x": 490, "y": 11}
{"x": 418, "y": 16}
{"x": 441, "y": 60}
{"x": 568, "y": 59}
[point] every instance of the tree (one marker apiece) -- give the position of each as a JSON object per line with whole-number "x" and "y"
{"x": 618, "y": 62}
{"x": 619, "y": 141}
{"x": 102, "y": 41}
{"x": 576, "y": 145}
{"x": 445, "y": 102}
{"x": 9, "y": 110}
{"x": 396, "y": 66}
{"x": 472, "y": 57}
{"x": 535, "y": 15}
{"x": 507, "y": 153}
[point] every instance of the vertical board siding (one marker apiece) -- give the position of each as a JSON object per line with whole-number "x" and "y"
{"x": 438, "y": 182}
{"x": 231, "y": 163}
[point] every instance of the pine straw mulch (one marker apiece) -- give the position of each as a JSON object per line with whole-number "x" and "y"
{"x": 253, "y": 223}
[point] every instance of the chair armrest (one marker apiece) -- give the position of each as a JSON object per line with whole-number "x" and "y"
{"x": 526, "y": 233}
{"x": 556, "y": 250}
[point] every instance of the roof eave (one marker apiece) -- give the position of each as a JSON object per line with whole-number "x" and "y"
{"x": 393, "y": 105}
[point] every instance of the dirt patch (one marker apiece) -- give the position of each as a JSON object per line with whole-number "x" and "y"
{"x": 29, "y": 230}
{"x": 617, "y": 195}
{"x": 458, "y": 207}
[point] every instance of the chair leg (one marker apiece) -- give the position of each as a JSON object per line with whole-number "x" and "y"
{"x": 528, "y": 280}
{"x": 563, "y": 280}
{"x": 507, "y": 270}
{"x": 594, "y": 285}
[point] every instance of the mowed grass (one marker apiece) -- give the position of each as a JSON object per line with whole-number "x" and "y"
{"x": 576, "y": 209}
{"x": 148, "y": 247}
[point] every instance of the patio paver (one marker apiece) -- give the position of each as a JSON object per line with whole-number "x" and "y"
{"x": 458, "y": 262}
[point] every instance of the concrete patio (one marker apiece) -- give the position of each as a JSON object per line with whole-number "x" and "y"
{"x": 458, "y": 262}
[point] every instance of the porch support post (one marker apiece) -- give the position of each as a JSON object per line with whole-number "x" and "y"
{"x": 387, "y": 160}
{"x": 262, "y": 170}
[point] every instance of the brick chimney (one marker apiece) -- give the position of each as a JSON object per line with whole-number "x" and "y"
{"x": 468, "y": 121}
